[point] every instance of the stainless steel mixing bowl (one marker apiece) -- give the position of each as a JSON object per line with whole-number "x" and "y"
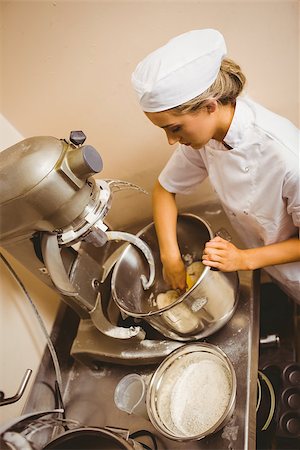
{"x": 199, "y": 312}
{"x": 160, "y": 392}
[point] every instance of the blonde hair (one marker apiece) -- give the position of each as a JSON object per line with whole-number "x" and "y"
{"x": 225, "y": 89}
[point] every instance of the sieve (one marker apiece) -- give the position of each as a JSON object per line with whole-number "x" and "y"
{"x": 175, "y": 377}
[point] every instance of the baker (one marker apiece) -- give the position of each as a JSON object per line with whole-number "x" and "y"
{"x": 190, "y": 89}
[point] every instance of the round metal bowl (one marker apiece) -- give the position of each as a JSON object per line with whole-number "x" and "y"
{"x": 173, "y": 386}
{"x": 92, "y": 438}
{"x": 197, "y": 313}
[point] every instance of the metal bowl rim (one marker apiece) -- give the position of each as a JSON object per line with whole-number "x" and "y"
{"x": 182, "y": 297}
{"x": 181, "y": 351}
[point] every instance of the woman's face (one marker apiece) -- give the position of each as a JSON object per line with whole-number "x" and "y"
{"x": 193, "y": 129}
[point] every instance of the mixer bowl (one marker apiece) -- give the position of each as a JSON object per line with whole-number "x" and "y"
{"x": 201, "y": 310}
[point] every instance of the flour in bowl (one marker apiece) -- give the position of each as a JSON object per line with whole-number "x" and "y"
{"x": 194, "y": 271}
{"x": 179, "y": 318}
{"x": 199, "y": 397}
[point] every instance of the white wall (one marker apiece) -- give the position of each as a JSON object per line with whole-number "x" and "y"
{"x": 8, "y": 134}
{"x": 22, "y": 341}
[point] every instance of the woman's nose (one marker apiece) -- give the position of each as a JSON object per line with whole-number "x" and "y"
{"x": 172, "y": 139}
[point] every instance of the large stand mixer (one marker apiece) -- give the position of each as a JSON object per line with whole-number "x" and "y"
{"x": 50, "y": 206}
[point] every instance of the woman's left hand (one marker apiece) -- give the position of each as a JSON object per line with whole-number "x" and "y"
{"x": 223, "y": 255}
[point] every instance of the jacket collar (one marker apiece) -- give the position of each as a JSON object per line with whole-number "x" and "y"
{"x": 243, "y": 118}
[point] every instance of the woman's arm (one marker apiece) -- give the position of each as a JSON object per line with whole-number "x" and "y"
{"x": 165, "y": 219}
{"x": 226, "y": 257}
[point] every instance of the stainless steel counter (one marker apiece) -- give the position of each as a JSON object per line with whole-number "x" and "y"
{"x": 89, "y": 390}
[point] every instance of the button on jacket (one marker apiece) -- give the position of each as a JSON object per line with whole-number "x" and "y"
{"x": 257, "y": 180}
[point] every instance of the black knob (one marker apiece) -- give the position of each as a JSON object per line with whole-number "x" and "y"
{"x": 84, "y": 161}
{"x": 291, "y": 374}
{"x": 294, "y": 377}
{"x": 289, "y": 423}
{"x": 77, "y": 137}
{"x": 92, "y": 159}
{"x": 294, "y": 400}
{"x": 293, "y": 426}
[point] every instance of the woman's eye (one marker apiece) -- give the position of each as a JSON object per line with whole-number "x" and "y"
{"x": 176, "y": 129}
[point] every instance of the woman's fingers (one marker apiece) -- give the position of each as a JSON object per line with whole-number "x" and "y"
{"x": 217, "y": 242}
{"x": 213, "y": 255}
{"x": 222, "y": 255}
{"x": 211, "y": 264}
{"x": 175, "y": 275}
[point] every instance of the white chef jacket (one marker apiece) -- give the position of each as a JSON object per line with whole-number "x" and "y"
{"x": 257, "y": 181}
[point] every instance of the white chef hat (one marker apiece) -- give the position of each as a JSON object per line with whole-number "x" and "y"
{"x": 180, "y": 70}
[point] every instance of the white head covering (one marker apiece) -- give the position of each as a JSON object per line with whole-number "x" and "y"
{"x": 180, "y": 70}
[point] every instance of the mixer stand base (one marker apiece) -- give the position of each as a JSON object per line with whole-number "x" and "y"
{"x": 91, "y": 347}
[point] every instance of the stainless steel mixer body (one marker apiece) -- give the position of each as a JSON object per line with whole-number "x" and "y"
{"x": 49, "y": 202}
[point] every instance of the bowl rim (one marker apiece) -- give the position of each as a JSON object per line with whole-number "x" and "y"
{"x": 156, "y": 378}
{"x": 206, "y": 268}
{"x": 183, "y": 296}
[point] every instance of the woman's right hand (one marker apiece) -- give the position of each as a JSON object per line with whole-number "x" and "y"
{"x": 174, "y": 273}
{"x": 165, "y": 218}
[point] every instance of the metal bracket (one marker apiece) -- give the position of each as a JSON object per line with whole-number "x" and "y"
{"x": 20, "y": 392}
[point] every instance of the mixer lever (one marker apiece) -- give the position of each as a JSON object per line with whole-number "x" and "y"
{"x": 54, "y": 264}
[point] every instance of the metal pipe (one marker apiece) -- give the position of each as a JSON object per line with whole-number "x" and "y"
{"x": 20, "y": 392}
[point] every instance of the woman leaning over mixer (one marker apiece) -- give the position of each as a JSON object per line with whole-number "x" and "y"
{"x": 251, "y": 155}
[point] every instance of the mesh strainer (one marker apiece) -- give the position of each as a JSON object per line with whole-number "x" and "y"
{"x": 192, "y": 393}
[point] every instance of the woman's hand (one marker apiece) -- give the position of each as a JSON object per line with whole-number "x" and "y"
{"x": 174, "y": 273}
{"x": 165, "y": 218}
{"x": 224, "y": 255}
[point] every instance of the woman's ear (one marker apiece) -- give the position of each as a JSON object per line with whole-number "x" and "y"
{"x": 212, "y": 106}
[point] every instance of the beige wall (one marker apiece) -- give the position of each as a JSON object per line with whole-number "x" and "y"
{"x": 67, "y": 64}
{"x": 22, "y": 342}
